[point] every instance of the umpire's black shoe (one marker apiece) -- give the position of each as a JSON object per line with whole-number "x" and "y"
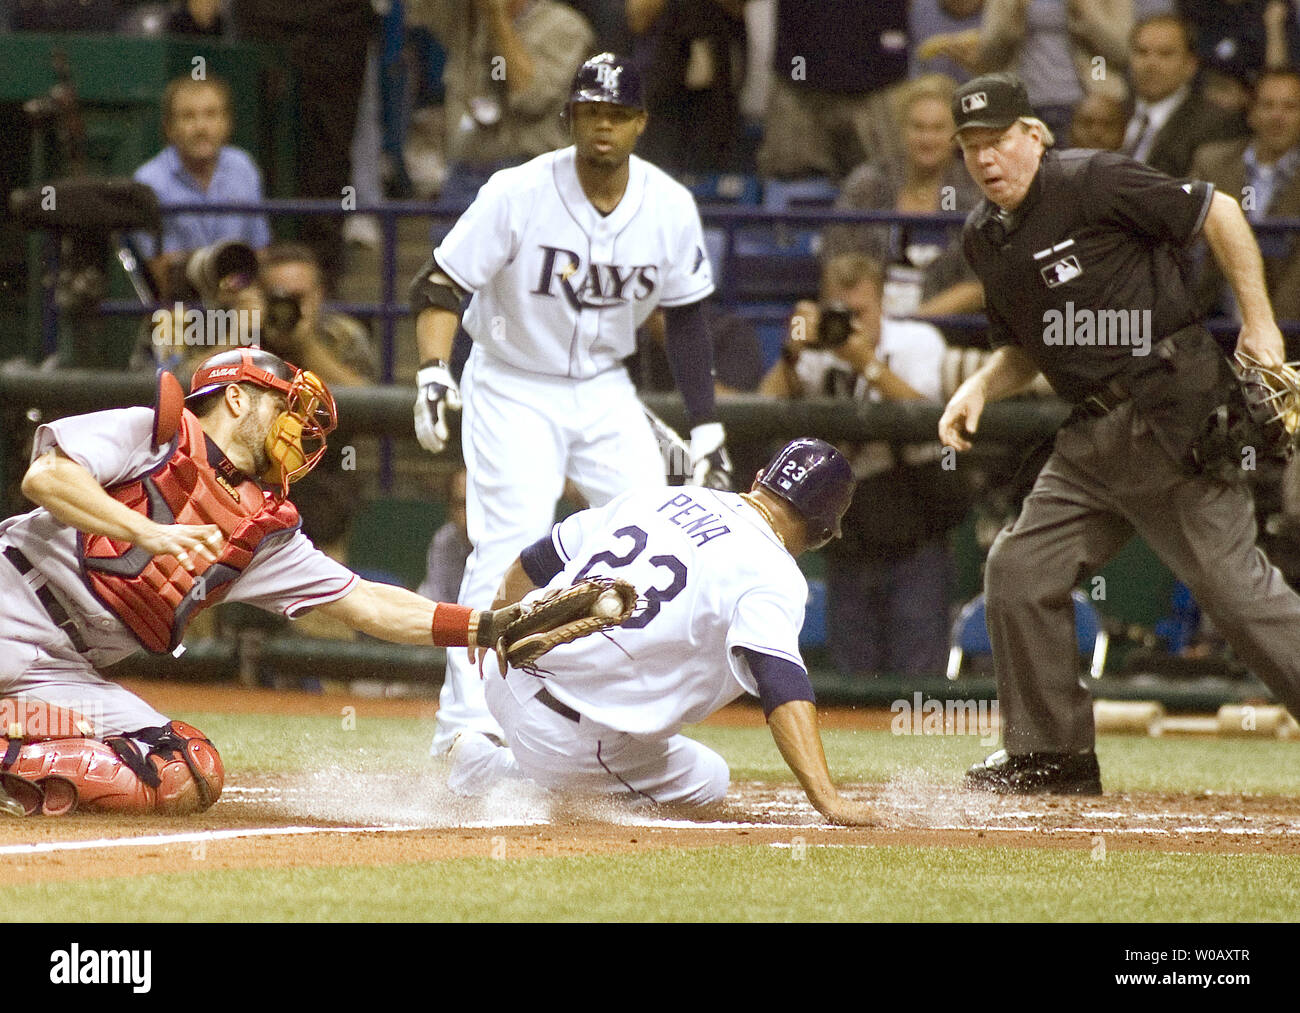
{"x": 1037, "y": 774}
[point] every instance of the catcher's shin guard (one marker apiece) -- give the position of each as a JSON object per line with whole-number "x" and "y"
{"x": 181, "y": 774}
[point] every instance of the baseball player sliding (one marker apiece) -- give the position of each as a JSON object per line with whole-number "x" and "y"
{"x": 144, "y": 517}
{"x": 721, "y": 606}
{"x": 564, "y": 257}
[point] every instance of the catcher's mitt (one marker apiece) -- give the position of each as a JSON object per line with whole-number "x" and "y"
{"x": 560, "y": 616}
{"x": 1262, "y": 413}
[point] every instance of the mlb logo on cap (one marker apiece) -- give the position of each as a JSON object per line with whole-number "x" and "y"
{"x": 990, "y": 100}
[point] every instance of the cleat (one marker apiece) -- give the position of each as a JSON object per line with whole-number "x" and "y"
{"x": 1037, "y": 774}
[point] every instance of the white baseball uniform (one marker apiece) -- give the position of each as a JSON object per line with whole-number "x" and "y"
{"x": 713, "y": 578}
{"x": 559, "y": 290}
{"x": 38, "y": 659}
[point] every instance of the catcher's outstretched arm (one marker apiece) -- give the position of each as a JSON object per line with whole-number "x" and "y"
{"x": 404, "y": 617}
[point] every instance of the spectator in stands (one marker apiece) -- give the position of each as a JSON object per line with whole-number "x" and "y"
{"x": 196, "y": 17}
{"x": 295, "y": 326}
{"x": 325, "y": 43}
{"x": 829, "y": 108}
{"x": 198, "y": 166}
{"x": 932, "y": 24}
{"x": 1230, "y": 87}
{"x": 889, "y": 578}
{"x": 919, "y": 279}
{"x": 1262, "y": 170}
{"x": 609, "y": 23}
{"x": 1171, "y": 118}
{"x": 1253, "y": 34}
{"x": 450, "y": 546}
{"x": 1098, "y": 123}
{"x": 1061, "y": 49}
{"x": 692, "y": 55}
{"x": 509, "y": 67}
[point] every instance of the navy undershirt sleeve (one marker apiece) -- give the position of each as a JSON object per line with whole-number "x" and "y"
{"x": 541, "y": 562}
{"x": 689, "y": 348}
{"x": 779, "y": 680}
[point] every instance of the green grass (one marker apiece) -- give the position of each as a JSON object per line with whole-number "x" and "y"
{"x": 712, "y": 884}
{"x": 267, "y": 744}
{"x": 730, "y": 883}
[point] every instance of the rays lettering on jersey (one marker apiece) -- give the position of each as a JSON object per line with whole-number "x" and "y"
{"x": 596, "y": 285}
{"x": 697, "y": 521}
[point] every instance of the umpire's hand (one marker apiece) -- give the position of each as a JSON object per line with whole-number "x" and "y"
{"x": 961, "y": 417}
{"x": 437, "y": 395}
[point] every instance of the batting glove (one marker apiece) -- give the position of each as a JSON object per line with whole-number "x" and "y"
{"x": 710, "y": 463}
{"x": 438, "y": 395}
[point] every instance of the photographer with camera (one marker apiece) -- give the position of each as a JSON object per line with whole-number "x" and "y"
{"x": 889, "y": 578}
{"x": 295, "y": 326}
{"x": 197, "y": 167}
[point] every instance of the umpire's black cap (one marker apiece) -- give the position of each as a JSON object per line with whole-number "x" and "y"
{"x": 990, "y": 100}
{"x": 608, "y": 78}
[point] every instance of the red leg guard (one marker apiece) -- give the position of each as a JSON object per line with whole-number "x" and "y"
{"x": 73, "y": 773}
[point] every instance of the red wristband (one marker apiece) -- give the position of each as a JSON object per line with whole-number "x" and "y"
{"x": 451, "y": 625}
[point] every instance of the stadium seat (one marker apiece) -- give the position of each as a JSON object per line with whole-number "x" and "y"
{"x": 970, "y": 634}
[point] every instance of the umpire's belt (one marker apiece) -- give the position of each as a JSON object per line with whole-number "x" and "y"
{"x": 57, "y": 613}
{"x": 1104, "y": 401}
{"x": 544, "y": 698}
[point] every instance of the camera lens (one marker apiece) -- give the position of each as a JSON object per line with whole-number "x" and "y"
{"x": 835, "y": 325}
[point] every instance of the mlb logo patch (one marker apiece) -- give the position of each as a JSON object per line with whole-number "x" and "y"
{"x": 974, "y": 102}
{"x": 1060, "y": 271}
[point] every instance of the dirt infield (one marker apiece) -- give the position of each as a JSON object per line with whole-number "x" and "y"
{"x": 341, "y": 818}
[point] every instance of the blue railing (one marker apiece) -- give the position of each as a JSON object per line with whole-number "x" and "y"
{"x": 729, "y": 219}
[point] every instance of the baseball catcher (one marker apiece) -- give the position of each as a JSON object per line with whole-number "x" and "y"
{"x": 146, "y": 516}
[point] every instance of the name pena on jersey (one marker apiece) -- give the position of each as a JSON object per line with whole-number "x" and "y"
{"x": 599, "y": 285}
{"x": 701, "y": 524}
{"x": 75, "y": 966}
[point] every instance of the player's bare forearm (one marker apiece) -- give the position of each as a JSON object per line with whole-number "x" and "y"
{"x": 514, "y": 585}
{"x": 641, "y": 14}
{"x": 75, "y": 498}
{"x": 384, "y": 611}
{"x": 961, "y": 297}
{"x": 794, "y": 729}
{"x": 435, "y": 331}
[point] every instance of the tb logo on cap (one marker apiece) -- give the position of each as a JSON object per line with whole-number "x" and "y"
{"x": 974, "y": 101}
{"x": 608, "y": 76}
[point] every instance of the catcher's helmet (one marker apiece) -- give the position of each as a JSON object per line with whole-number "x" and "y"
{"x": 242, "y": 365}
{"x": 815, "y": 479}
{"x": 608, "y": 78}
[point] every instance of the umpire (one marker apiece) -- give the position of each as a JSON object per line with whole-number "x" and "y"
{"x": 1083, "y": 257}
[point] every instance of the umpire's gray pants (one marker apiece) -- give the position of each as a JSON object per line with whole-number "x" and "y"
{"x": 1105, "y": 479}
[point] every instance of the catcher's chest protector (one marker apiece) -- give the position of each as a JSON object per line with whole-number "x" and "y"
{"x": 155, "y": 596}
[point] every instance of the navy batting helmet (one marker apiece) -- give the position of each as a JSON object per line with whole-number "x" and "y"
{"x": 608, "y": 78}
{"x": 815, "y": 479}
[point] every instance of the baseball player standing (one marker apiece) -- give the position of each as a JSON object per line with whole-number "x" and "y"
{"x": 564, "y": 257}
{"x": 1080, "y": 253}
{"x": 722, "y": 603}
{"x": 144, "y": 517}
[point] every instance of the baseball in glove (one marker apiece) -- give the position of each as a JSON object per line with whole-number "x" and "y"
{"x": 1261, "y": 414}
{"x": 521, "y": 634}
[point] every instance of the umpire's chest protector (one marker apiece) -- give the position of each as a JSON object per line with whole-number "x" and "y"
{"x": 154, "y": 596}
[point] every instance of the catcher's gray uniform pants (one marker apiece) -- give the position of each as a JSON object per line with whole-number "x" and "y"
{"x": 38, "y": 662}
{"x": 1106, "y": 478}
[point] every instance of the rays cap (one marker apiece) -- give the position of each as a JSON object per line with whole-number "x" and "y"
{"x": 990, "y": 100}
